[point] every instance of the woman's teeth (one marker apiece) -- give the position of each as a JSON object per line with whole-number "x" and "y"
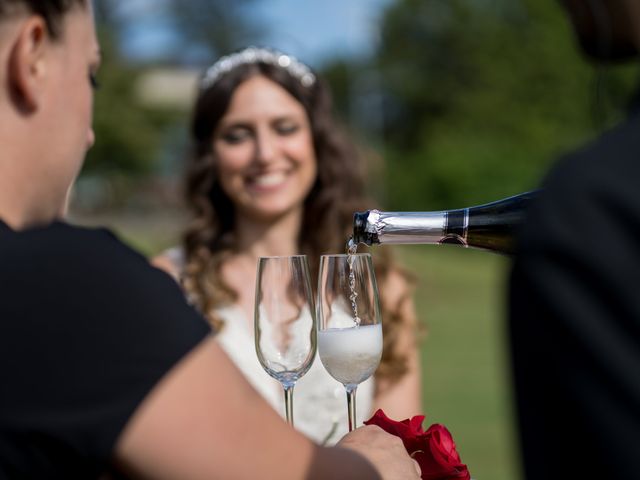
{"x": 269, "y": 179}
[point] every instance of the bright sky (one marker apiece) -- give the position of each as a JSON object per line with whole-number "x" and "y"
{"x": 316, "y": 29}
{"x": 312, "y": 30}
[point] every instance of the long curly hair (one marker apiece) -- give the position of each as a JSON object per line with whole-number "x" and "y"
{"x": 337, "y": 193}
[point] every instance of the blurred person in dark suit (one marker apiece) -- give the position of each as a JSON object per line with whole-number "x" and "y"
{"x": 103, "y": 365}
{"x": 575, "y": 288}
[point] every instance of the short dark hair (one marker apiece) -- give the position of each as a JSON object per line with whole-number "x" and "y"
{"x": 51, "y": 11}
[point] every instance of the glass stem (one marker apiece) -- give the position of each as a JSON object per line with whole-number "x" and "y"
{"x": 288, "y": 403}
{"x": 351, "y": 405}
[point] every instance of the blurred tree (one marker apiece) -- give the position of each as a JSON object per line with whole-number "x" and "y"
{"x": 338, "y": 74}
{"x": 357, "y": 105}
{"x": 481, "y": 95}
{"x": 128, "y": 135}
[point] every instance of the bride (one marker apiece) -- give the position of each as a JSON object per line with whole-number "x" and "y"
{"x": 269, "y": 174}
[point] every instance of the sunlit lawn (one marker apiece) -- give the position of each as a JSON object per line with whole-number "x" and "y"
{"x": 466, "y": 381}
{"x": 460, "y": 298}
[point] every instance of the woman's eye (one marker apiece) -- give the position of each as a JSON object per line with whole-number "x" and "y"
{"x": 236, "y": 135}
{"x": 287, "y": 128}
{"x": 93, "y": 81}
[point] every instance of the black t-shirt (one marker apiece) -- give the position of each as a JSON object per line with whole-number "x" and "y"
{"x": 87, "y": 328}
{"x": 575, "y": 315}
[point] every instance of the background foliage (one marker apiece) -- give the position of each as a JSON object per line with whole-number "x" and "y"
{"x": 479, "y": 97}
{"x": 465, "y": 100}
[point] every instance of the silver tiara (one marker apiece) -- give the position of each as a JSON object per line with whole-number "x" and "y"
{"x": 253, "y": 55}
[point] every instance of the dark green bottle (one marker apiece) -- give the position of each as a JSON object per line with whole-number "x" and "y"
{"x": 488, "y": 227}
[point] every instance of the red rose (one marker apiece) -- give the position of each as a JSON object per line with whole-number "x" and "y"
{"x": 434, "y": 449}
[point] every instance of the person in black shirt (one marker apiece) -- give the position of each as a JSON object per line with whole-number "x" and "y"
{"x": 574, "y": 298}
{"x": 104, "y": 369}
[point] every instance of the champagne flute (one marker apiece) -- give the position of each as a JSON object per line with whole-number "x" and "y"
{"x": 349, "y": 322}
{"x": 284, "y": 320}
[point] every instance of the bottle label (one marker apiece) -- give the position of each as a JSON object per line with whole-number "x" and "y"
{"x": 455, "y": 231}
{"x": 453, "y": 239}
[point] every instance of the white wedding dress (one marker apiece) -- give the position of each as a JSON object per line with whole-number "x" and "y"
{"x": 319, "y": 401}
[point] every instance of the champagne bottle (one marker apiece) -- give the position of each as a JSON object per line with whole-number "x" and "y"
{"x": 488, "y": 227}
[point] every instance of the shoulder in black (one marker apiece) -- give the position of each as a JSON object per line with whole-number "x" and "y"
{"x": 87, "y": 328}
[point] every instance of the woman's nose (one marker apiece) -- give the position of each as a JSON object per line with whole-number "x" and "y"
{"x": 266, "y": 147}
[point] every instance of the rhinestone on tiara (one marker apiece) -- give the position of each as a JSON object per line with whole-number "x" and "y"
{"x": 252, "y": 55}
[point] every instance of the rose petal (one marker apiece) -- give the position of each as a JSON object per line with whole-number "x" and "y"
{"x": 408, "y": 428}
{"x": 444, "y": 445}
{"x": 416, "y": 423}
{"x": 443, "y": 449}
{"x": 434, "y": 450}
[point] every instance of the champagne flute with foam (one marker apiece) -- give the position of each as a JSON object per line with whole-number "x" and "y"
{"x": 349, "y": 322}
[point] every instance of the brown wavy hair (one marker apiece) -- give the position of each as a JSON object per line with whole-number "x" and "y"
{"x": 337, "y": 193}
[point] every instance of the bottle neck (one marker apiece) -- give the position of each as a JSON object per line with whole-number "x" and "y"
{"x": 490, "y": 227}
{"x": 376, "y": 227}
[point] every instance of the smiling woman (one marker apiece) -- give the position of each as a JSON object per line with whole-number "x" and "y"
{"x": 266, "y": 162}
{"x": 271, "y": 175}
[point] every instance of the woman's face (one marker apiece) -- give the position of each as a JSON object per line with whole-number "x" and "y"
{"x": 264, "y": 148}
{"x": 67, "y": 104}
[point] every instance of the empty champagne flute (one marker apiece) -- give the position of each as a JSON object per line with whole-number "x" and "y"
{"x": 349, "y": 322}
{"x": 284, "y": 320}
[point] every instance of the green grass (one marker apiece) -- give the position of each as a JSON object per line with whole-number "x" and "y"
{"x": 460, "y": 298}
{"x": 466, "y": 381}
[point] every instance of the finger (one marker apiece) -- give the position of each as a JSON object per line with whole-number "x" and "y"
{"x": 417, "y": 467}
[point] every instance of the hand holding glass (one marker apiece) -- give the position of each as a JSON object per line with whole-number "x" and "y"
{"x": 349, "y": 322}
{"x": 285, "y": 332}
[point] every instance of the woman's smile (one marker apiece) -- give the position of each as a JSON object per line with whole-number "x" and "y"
{"x": 267, "y": 181}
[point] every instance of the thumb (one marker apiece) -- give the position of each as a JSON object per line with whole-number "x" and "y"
{"x": 417, "y": 467}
